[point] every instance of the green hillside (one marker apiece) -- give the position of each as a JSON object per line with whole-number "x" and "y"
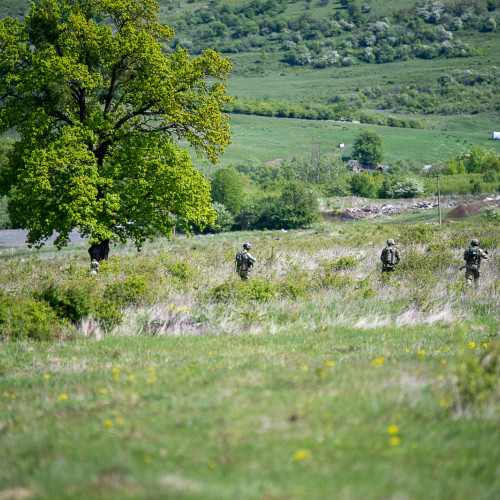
{"x": 399, "y": 65}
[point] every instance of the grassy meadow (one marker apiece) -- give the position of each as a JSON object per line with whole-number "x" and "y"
{"x": 315, "y": 379}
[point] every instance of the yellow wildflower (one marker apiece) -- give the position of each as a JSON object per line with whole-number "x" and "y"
{"x": 304, "y": 368}
{"x": 471, "y": 345}
{"x": 46, "y": 376}
{"x": 108, "y": 423}
{"x": 395, "y": 441}
{"x": 378, "y": 361}
{"x": 62, "y": 397}
{"x": 301, "y": 455}
{"x": 102, "y": 391}
{"x": 443, "y": 361}
{"x": 331, "y": 363}
{"x": 393, "y": 429}
{"x": 119, "y": 421}
{"x": 421, "y": 352}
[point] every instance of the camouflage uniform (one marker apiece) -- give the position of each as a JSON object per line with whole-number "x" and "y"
{"x": 244, "y": 262}
{"x": 473, "y": 256}
{"x": 389, "y": 257}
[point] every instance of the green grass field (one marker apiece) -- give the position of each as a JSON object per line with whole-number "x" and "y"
{"x": 316, "y": 379}
{"x": 267, "y": 139}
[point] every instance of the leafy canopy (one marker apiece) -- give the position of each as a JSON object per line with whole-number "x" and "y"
{"x": 100, "y": 106}
{"x": 369, "y": 147}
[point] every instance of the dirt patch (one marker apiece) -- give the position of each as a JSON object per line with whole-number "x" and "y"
{"x": 464, "y": 211}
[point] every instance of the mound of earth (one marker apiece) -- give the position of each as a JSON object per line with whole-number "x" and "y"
{"x": 463, "y": 211}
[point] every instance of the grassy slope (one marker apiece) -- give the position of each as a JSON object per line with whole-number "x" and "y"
{"x": 267, "y": 139}
{"x": 350, "y": 392}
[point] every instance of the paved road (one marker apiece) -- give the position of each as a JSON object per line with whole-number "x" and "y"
{"x": 17, "y": 238}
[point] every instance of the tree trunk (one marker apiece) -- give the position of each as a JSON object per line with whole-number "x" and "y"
{"x": 99, "y": 251}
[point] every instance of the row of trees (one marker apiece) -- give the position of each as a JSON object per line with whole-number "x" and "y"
{"x": 342, "y": 108}
{"x": 254, "y": 195}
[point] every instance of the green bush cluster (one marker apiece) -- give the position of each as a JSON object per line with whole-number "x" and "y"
{"x": 478, "y": 378}
{"x": 24, "y": 318}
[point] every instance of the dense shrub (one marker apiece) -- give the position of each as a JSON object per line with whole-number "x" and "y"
{"x": 24, "y": 318}
{"x": 72, "y": 302}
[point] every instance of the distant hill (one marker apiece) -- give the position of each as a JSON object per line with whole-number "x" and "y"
{"x": 398, "y": 63}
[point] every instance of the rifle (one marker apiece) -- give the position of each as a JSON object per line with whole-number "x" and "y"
{"x": 463, "y": 267}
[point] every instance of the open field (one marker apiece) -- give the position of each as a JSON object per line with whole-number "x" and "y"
{"x": 267, "y": 139}
{"x": 316, "y": 379}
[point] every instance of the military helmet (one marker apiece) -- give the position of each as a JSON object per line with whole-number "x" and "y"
{"x": 247, "y": 245}
{"x": 475, "y": 242}
{"x": 390, "y": 241}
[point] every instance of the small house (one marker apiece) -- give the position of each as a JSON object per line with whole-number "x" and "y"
{"x": 495, "y": 136}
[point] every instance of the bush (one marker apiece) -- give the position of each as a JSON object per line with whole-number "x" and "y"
{"x": 257, "y": 289}
{"x": 491, "y": 213}
{"x": 369, "y": 147}
{"x": 71, "y": 303}
{"x": 478, "y": 377}
{"x": 410, "y": 188}
{"x": 127, "y": 292}
{"x": 26, "y": 318}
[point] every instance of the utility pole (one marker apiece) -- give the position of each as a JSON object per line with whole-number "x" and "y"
{"x": 439, "y": 200}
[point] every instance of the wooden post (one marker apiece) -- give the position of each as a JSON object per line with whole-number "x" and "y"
{"x": 439, "y": 200}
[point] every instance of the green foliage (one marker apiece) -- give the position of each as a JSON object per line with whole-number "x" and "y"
{"x": 24, "y": 318}
{"x": 228, "y": 188}
{"x": 129, "y": 291}
{"x": 478, "y": 377}
{"x": 491, "y": 213}
{"x": 73, "y": 302}
{"x": 297, "y": 206}
{"x": 224, "y": 220}
{"x": 182, "y": 270}
{"x": 257, "y": 290}
{"x": 364, "y": 185}
{"x": 410, "y": 188}
{"x": 97, "y": 102}
{"x": 369, "y": 147}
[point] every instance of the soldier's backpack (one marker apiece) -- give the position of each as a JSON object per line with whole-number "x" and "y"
{"x": 241, "y": 262}
{"x": 472, "y": 258}
{"x": 388, "y": 255}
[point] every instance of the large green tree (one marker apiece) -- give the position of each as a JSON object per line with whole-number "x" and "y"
{"x": 100, "y": 104}
{"x": 369, "y": 147}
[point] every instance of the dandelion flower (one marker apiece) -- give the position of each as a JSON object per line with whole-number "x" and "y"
{"x": 471, "y": 345}
{"x": 103, "y": 391}
{"x": 301, "y": 455}
{"x": 119, "y": 421}
{"x": 378, "y": 361}
{"x": 151, "y": 368}
{"x": 62, "y": 397}
{"x": 393, "y": 429}
{"x": 304, "y": 368}
{"x": 46, "y": 376}
{"x": 421, "y": 352}
{"x": 443, "y": 361}
{"x": 331, "y": 363}
{"x": 395, "y": 441}
{"x": 485, "y": 345}
{"x": 108, "y": 423}
{"x": 6, "y": 394}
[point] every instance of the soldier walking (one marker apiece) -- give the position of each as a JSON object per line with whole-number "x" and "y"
{"x": 473, "y": 256}
{"x": 389, "y": 257}
{"x": 244, "y": 262}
